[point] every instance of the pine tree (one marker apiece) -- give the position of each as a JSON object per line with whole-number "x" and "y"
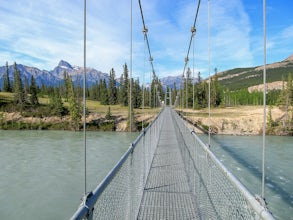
{"x": 56, "y": 105}
{"x": 290, "y": 97}
{"x": 282, "y": 97}
{"x": 161, "y": 93}
{"x": 154, "y": 92}
{"x": 108, "y": 114}
{"x": 112, "y": 89}
{"x": 26, "y": 89}
{"x": 93, "y": 91}
{"x": 131, "y": 124}
{"x": 19, "y": 98}
{"x": 202, "y": 94}
{"x": 174, "y": 93}
{"x": 6, "y": 81}
{"x": 66, "y": 80}
{"x": 33, "y": 90}
{"x": 146, "y": 95}
{"x": 74, "y": 108}
{"x": 290, "y": 90}
{"x": 216, "y": 91}
{"x": 104, "y": 93}
{"x": 136, "y": 94}
{"x": 120, "y": 96}
{"x": 285, "y": 99}
{"x": 124, "y": 87}
{"x": 188, "y": 87}
{"x": 199, "y": 77}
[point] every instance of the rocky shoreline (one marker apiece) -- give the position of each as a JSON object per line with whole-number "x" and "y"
{"x": 95, "y": 122}
{"x": 246, "y": 120}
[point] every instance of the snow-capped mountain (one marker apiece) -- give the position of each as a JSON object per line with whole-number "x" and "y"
{"x": 169, "y": 81}
{"x": 55, "y": 76}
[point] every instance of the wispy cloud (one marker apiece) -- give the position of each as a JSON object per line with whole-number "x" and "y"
{"x": 40, "y": 33}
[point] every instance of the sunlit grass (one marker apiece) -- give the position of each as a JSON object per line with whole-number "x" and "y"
{"x": 92, "y": 106}
{"x": 6, "y": 96}
{"x": 228, "y": 112}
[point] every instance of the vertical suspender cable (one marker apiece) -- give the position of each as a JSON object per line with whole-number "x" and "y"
{"x": 193, "y": 73}
{"x": 186, "y": 80}
{"x": 209, "y": 68}
{"x": 264, "y": 101}
{"x": 84, "y": 99}
{"x": 150, "y": 93}
{"x": 130, "y": 83}
{"x": 143, "y": 82}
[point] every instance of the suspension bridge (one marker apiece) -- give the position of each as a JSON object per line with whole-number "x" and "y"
{"x": 168, "y": 172}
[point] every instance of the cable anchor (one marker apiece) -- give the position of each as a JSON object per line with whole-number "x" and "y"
{"x": 193, "y": 30}
{"x": 145, "y": 30}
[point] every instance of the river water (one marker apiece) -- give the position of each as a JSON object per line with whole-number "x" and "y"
{"x": 42, "y": 172}
{"x": 243, "y": 156}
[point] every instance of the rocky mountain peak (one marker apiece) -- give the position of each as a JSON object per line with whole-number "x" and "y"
{"x": 64, "y": 64}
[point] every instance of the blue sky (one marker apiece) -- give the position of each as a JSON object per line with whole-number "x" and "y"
{"x": 40, "y": 33}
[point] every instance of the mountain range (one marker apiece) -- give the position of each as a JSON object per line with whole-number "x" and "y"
{"x": 231, "y": 79}
{"x": 55, "y": 76}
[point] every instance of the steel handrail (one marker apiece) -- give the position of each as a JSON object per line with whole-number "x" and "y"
{"x": 254, "y": 203}
{"x": 89, "y": 200}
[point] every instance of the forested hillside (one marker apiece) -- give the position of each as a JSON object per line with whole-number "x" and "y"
{"x": 241, "y": 78}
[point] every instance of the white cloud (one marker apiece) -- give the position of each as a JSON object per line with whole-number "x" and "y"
{"x": 230, "y": 35}
{"x": 287, "y": 33}
{"x": 41, "y": 33}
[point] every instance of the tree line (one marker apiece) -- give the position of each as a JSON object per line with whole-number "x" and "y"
{"x": 196, "y": 95}
{"x": 188, "y": 94}
{"x": 26, "y": 94}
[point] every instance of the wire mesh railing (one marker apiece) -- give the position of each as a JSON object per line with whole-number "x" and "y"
{"x": 217, "y": 192}
{"x": 119, "y": 195}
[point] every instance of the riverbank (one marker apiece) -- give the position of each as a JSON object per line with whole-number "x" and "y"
{"x": 95, "y": 121}
{"x": 42, "y": 117}
{"x": 240, "y": 120}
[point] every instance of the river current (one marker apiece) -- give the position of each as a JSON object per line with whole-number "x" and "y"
{"x": 243, "y": 156}
{"x": 42, "y": 172}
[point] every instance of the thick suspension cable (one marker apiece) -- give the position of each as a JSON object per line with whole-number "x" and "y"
{"x": 193, "y": 30}
{"x": 145, "y": 31}
{"x": 264, "y": 101}
{"x": 84, "y": 99}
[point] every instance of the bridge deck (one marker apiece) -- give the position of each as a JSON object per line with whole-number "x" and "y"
{"x": 167, "y": 193}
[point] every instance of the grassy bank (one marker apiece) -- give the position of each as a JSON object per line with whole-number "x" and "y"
{"x": 40, "y": 118}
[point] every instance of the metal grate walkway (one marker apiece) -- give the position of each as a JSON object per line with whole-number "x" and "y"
{"x": 167, "y": 193}
{"x": 169, "y": 173}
